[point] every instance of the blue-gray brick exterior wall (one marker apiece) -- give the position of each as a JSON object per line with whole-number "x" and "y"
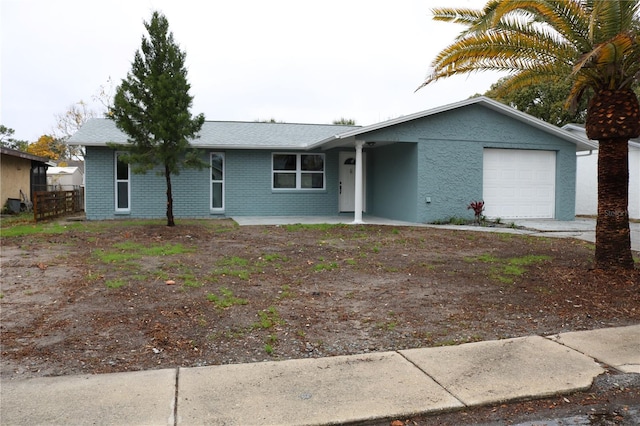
{"x": 437, "y": 158}
{"x": 248, "y": 189}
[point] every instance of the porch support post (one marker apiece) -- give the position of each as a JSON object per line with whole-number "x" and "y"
{"x": 357, "y": 213}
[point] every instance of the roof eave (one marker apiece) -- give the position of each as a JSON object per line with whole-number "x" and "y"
{"x": 215, "y": 147}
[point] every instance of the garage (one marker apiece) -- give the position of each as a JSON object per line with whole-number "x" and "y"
{"x": 519, "y": 184}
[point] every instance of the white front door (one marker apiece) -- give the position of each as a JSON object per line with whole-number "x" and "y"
{"x": 347, "y": 184}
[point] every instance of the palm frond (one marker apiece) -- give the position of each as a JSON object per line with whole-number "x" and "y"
{"x": 595, "y": 42}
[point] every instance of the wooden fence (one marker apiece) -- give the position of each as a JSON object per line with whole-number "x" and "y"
{"x": 51, "y": 204}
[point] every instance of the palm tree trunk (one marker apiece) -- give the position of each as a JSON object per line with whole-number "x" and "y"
{"x": 170, "y": 221}
{"x": 613, "y": 116}
{"x": 613, "y": 240}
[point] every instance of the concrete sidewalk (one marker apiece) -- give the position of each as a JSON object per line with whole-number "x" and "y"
{"x": 326, "y": 391}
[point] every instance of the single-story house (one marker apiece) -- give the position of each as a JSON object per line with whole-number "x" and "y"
{"x": 64, "y": 178}
{"x": 587, "y": 177}
{"x": 420, "y": 168}
{"x": 21, "y": 175}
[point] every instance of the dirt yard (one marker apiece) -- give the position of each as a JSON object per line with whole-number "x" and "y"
{"x": 102, "y": 297}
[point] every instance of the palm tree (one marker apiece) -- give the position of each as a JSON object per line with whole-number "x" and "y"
{"x": 595, "y": 44}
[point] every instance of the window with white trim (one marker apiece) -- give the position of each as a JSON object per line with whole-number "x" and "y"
{"x": 217, "y": 181}
{"x": 123, "y": 184}
{"x": 298, "y": 171}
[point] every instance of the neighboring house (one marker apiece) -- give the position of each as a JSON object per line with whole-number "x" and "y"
{"x": 587, "y": 177}
{"x": 422, "y": 167}
{"x": 64, "y": 178}
{"x": 22, "y": 174}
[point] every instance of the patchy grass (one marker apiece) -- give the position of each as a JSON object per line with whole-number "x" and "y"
{"x": 506, "y": 270}
{"x": 44, "y": 228}
{"x": 128, "y": 251}
{"x": 226, "y": 299}
{"x": 268, "y": 319}
{"x": 319, "y": 267}
{"x": 115, "y": 283}
{"x": 325, "y": 227}
{"x": 274, "y": 257}
{"x": 285, "y": 292}
{"x": 234, "y": 266}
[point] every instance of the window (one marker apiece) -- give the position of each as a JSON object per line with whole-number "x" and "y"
{"x": 123, "y": 192}
{"x": 298, "y": 171}
{"x": 217, "y": 182}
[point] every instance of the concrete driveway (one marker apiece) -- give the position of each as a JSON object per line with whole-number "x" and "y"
{"x": 584, "y": 229}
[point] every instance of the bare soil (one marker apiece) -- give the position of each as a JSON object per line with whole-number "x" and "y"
{"x": 90, "y": 299}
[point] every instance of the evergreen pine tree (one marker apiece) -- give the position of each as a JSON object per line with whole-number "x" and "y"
{"x": 152, "y": 107}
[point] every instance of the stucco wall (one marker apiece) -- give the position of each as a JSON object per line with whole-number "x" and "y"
{"x": 15, "y": 176}
{"x": 392, "y": 179}
{"x": 449, "y": 159}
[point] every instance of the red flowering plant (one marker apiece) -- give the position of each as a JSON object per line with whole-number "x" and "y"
{"x": 478, "y": 208}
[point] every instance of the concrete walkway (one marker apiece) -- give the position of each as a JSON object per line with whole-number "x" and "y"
{"x": 327, "y": 391}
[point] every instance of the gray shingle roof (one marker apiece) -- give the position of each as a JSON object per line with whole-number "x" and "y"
{"x": 223, "y": 134}
{"x": 259, "y": 135}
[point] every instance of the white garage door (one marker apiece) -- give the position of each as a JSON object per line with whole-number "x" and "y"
{"x": 519, "y": 184}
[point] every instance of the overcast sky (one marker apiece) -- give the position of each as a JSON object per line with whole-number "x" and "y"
{"x": 291, "y": 60}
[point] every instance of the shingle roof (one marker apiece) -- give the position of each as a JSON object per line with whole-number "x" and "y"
{"x": 25, "y": 155}
{"x": 223, "y": 134}
{"x": 261, "y": 135}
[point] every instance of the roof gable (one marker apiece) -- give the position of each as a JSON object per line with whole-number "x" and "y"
{"x": 582, "y": 144}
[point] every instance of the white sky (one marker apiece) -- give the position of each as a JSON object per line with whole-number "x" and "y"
{"x": 291, "y": 60}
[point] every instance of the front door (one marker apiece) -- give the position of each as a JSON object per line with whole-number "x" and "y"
{"x": 347, "y": 184}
